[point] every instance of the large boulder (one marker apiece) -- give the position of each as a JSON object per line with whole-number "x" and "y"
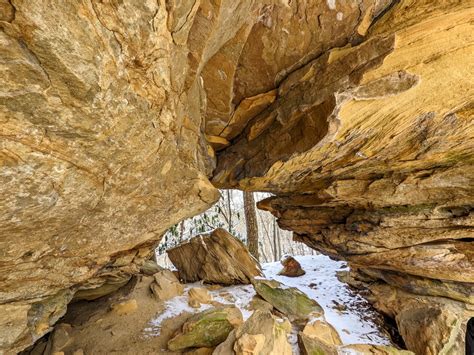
{"x": 217, "y": 257}
{"x": 198, "y": 296}
{"x": 115, "y": 114}
{"x": 290, "y": 301}
{"x": 206, "y": 329}
{"x": 320, "y": 338}
{"x": 261, "y": 334}
{"x": 291, "y": 267}
{"x": 369, "y": 153}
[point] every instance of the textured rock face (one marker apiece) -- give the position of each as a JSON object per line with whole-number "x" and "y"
{"x": 261, "y": 334}
{"x": 206, "y": 329}
{"x": 217, "y": 257}
{"x": 101, "y": 148}
{"x": 357, "y": 114}
{"x": 369, "y": 148}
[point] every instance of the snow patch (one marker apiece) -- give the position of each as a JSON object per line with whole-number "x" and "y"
{"x": 331, "y": 4}
{"x": 348, "y": 312}
{"x": 321, "y": 284}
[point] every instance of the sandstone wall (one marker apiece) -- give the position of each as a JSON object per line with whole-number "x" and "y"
{"x": 370, "y": 148}
{"x": 356, "y": 114}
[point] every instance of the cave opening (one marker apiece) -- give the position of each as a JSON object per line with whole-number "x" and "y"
{"x": 352, "y": 316}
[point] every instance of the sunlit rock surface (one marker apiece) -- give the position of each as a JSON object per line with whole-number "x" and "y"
{"x": 356, "y": 114}
{"x": 369, "y": 149}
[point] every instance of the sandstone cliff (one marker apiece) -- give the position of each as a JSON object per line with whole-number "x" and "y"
{"x": 369, "y": 149}
{"x": 357, "y": 115}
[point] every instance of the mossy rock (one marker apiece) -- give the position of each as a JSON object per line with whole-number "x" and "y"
{"x": 288, "y": 300}
{"x": 312, "y": 346}
{"x": 206, "y": 329}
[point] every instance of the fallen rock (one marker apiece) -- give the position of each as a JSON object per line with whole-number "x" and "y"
{"x": 249, "y": 344}
{"x": 125, "y": 307}
{"x": 60, "y": 338}
{"x": 309, "y": 346}
{"x": 194, "y": 303}
{"x": 291, "y": 267}
{"x": 206, "y": 329}
{"x": 290, "y": 301}
{"x": 314, "y": 345}
{"x": 323, "y": 331}
{"x": 149, "y": 268}
{"x": 428, "y": 325}
{"x": 319, "y": 337}
{"x": 199, "y": 295}
{"x": 166, "y": 285}
{"x": 258, "y": 303}
{"x": 217, "y": 257}
{"x": 261, "y": 334}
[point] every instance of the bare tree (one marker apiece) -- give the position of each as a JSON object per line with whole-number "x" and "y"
{"x": 251, "y": 223}
{"x": 181, "y": 231}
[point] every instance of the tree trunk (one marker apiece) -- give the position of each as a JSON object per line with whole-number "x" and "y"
{"x": 181, "y": 232}
{"x": 251, "y": 223}
{"x": 275, "y": 246}
{"x": 229, "y": 209}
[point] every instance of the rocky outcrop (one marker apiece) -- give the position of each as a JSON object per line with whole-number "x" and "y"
{"x": 291, "y": 267}
{"x": 356, "y": 114}
{"x": 261, "y": 334}
{"x": 166, "y": 285}
{"x": 369, "y": 150}
{"x": 217, "y": 257}
{"x": 206, "y": 329}
{"x": 101, "y": 148}
{"x": 290, "y": 301}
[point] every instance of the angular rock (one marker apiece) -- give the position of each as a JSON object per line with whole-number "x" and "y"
{"x": 206, "y": 329}
{"x": 149, "y": 268}
{"x": 314, "y": 346}
{"x": 166, "y": 285}
{"x": 261, "y": 334}
{"x": 217, "y": 257}
{"x": 344, "y": 110}
{"x": 428, "y": 325}
{"x": 260, "y": 304}
{"x": 291, "y": 267}
{"x": 249, "y": 344}
{"x": 323, "y": 331}
{"x": 372, "y": 162}
{"x": 288, "y": 300}
{"x": 319, "y": 337}
{"x": 198, "y": 296}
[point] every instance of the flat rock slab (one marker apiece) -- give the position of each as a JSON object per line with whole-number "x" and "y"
{"x": 217, "y": 257}
{"x": 290, "y": 301}
{"x": 206, "y": 329}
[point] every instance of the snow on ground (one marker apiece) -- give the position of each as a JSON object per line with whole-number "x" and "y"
{"x": 321, "y": 284}
{"x": 348, "y": 312}
{"x": 240, "y": 296}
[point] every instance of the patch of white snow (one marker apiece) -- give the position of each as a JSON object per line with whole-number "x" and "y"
{"x": 321, "y": 284}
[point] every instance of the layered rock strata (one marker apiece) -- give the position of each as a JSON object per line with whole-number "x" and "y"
{"x": 369, "y": 149}
{"x": 217, "y": 257}
{"x": 357, "y": 114}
